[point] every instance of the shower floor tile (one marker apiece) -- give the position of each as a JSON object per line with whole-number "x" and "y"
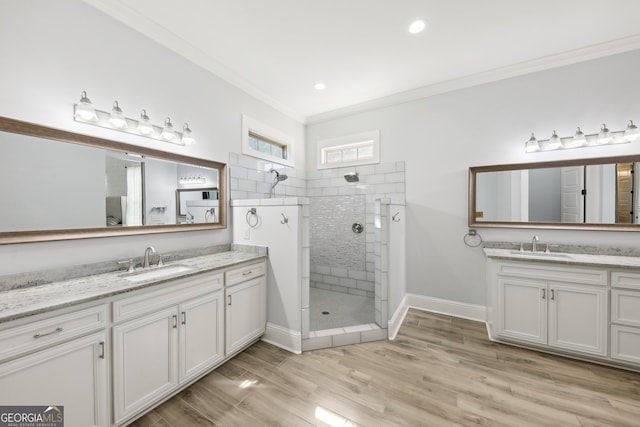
{"x": 344, "y": 310}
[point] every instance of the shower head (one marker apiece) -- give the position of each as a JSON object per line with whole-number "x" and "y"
{"x": 352, "y": 177}
{"x": 279, "y": 176}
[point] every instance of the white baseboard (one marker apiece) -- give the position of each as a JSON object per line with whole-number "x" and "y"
{"x": 284, "y": 338}
{"x": 398, "y": 317}
{"x": 448, "y": 307}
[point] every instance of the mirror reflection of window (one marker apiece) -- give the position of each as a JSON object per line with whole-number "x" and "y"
{"x": 124, "y": 189}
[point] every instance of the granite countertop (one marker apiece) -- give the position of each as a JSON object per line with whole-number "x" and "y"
{"x": 588, "y": 259}
{"x": 31, "y": 300}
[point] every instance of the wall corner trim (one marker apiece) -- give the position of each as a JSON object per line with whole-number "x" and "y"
{"x": 284, "y": 338}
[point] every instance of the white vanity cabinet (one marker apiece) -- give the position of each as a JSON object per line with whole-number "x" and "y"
{"x": 563, "y": 307}
{"x": 59, "y": 359}
{"x": 164, "y": 338}
{"x": 625, "y": 316}
{"x": 246, "y": 306}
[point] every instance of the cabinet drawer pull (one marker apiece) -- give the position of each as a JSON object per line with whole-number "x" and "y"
{"x": 58, "y": 329}
{"x": 543, "y": 293}
{"x": 175, "y": 321}
{"x": 553, "y": 297}
{"x": 246, "y": 273}
{"x": 101, "y": 355}
{"x": 184, "y": 317}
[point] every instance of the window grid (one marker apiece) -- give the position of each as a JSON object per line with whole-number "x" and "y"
{"x": 266, "y": 146}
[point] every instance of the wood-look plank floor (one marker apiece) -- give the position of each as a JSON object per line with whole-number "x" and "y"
{"x": 440, "y": 371}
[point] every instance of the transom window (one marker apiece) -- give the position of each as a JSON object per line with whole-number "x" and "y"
{"x": 266, "y": 146}
{"x": 264, "y": 142}
{"x": 352, "y": 150}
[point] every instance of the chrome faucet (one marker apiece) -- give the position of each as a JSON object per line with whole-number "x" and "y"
{"x": 146, "y": 255}
{"x": 534, "y": 247}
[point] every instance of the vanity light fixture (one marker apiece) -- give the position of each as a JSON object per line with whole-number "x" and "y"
{"x": 580, "y": 139}
{"x": 192, "y": 180}
{"x": 187, "y": 136}
{"x": 319, "y": 86}
{"x": 85, "y": 112}
{"x": 632, "y": 133}
{"x": 604, "y": 137}
{"x": 532, "y": 144}
{"x": 144, "y": 124}
{"x": 117, "y": 118}
{"x": 167, "y": 132}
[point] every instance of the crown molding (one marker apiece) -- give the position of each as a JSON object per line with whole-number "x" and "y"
{"x": 527, "y": 67}
{"x": 170, "y": 40}
{"x": 159, "y": 34}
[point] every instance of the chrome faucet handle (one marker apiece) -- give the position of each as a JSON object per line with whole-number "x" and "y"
{"x": 130, "y": 268}
{"x": 160, "y": 262}
{"x": 546, "y": 249}
{"x": 521, "y": 247}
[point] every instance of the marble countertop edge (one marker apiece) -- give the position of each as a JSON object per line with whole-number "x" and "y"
{"x": 33, "y": 300}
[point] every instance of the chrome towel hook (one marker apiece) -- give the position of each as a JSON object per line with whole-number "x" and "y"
{"x": 284, "y": 220}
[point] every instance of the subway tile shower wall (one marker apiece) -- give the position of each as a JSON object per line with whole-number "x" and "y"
{"x": 250, "y": 179}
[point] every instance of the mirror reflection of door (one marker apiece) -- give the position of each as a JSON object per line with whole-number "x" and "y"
{"x": 624, "y": 193}
{"x": 572, "y": 194}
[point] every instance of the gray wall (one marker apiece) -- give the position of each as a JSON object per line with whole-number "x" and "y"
{"x": 53, "y": 50}
{"x": 440, "y": 137}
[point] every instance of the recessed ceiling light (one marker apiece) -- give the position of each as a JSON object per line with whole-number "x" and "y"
{"x": 417, "y": 26}
{"x": 319, "y": 86}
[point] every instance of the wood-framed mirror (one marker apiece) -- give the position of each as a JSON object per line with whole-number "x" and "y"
{"x": 60, "y": 185}
{"x": 593, "y": 194}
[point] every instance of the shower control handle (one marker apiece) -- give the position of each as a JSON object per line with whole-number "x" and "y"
{"x": 357, "y": 228}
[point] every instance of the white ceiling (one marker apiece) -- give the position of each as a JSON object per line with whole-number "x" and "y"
{"x": 362, "y": 51}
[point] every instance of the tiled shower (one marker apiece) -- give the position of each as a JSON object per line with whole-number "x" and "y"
{"x": 342, "y": 262}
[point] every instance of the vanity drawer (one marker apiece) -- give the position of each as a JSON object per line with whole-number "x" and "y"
{"x": 624, "y": 279}
{"x": 245, "y": 273}
{"x": 570, "y": 274}
{"x": 45, "y": 333}
{"x": 150, "y": 300}
{"x": 625, "y": 343}
{"x": 625, "y": 307}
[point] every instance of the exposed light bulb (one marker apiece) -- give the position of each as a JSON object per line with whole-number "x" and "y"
{"x": 319, "y": 86}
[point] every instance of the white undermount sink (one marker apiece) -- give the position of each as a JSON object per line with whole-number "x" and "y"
{"x": 156, "y": 273}
{"x": 543, "y": 255}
